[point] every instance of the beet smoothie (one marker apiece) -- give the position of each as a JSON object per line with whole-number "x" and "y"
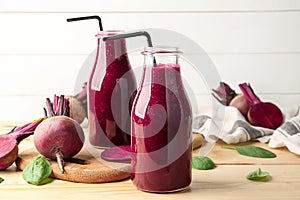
{"x": 111, "y": 90}
{"x": 161, "y": 130}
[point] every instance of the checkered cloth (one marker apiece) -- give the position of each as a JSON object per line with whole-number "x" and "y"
{"x": 228, "y": 124}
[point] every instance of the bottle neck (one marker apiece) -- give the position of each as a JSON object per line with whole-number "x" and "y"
{"x": 161, "y": 66}
{"x": 111, "y": 50}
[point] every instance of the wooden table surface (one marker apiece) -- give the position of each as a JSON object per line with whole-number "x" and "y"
{"x": 226, "y": 181}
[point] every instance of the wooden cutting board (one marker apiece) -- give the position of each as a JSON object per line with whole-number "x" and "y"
{"x": 83, "y": 168}
{"x": 86, "y": 168}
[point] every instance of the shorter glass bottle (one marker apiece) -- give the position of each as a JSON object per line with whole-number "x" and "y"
{"x": 161, "y": 125}
{"x": 111, "y": 90}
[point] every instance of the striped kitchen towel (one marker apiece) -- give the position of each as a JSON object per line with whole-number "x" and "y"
{"x": 288, "y": 134}
{"x": 228, "y": 124}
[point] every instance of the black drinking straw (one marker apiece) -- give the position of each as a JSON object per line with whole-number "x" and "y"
{"x": 129, "y": 35}
{"x": 133, "y": 34}
{"x": 87, "y": 18}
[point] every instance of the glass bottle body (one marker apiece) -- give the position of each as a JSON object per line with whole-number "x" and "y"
{"x": 111, "y": 90}
{"x": 161, "y": 126}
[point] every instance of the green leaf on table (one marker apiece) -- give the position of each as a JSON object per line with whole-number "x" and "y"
{"x": 1, "y": 179}
{"x": 252, "y": 151}
{"x": 37, "y": 172}
{"x": 258, "y": 175}
{"x": 202, "y": 163}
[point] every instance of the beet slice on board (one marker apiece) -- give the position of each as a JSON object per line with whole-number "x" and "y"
{"x": 117, "y": 154}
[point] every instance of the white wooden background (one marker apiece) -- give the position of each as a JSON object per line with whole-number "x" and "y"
{"x": 257, "y": 41}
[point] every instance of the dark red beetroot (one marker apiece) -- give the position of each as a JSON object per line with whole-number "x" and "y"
{"x": 58, "y": 137}
{"x": 241, "y": 103}
{"x": 263, "y": 114}
{"x": 117, "y": 154}
{"x": 9, "y": 143}
{"x": 228, "y": 97}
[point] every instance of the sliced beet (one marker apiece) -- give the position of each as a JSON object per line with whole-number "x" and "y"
{"x": 263, "y": 114}
{"x": 9, "y": 143}
{"x": 117, "y": 154}
{"x": 9, "y": 151}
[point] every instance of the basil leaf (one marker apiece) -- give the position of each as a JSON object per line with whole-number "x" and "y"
{"x": 37, "y": 171}
{"x": 1, "y": 179}
{"x": 258, "y": 175}
{"x": 202, "y": 163}
{"x": 252, "y": 151}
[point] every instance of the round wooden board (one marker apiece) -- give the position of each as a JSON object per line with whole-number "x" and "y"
{"x": 83, "y": 168}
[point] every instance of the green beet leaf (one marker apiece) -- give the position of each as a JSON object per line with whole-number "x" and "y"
{"x": 202, "y": 163}
{"x": 258, "y": 175}
{"x": 252, "y": 151}
{"x": 1, "y": 179}
{"x": 37, "y": 172}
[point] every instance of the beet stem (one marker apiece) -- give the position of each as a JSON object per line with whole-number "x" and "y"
{"x": 45, "y": 113}
{"x": 26, "y": 130}
{"x": 55, "y": 103}
{"x": 32, "y": 125}
{"x": 67, "y": 108}
{"x": 13, "y": 129}
{"x": 21, "y": 127}
{"x": 49, "y": 107}
{"x": 60, "y": 161}
{"x": 249, "y": 93}
{"x": 222, "y": 101}
{"x": 60, "y": 105}
{"x": 224, "y": 93}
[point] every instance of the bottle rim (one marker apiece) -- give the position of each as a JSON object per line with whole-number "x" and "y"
{"x": 108, "y": 33}
{"x": 162, "y": 50}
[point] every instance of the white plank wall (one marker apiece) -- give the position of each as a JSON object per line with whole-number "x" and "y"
{"x": 247, "y": 40}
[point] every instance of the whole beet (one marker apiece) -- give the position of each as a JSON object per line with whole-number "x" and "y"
{"x": 58, "y": 134}
{"x": 59, "y": 138}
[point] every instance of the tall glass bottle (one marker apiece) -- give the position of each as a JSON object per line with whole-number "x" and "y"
{"x": 111, "y": 90}
{"x": 161, "y": 125}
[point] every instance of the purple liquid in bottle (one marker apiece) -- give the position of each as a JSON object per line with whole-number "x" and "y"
{"x": 111, "y": 90}
{"x": 161, "y": 128}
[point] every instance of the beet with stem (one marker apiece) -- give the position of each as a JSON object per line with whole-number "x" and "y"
{"x": 9, "y": 142}
{"x": 228, "y": 97}
{"x": 263, "y": 114}
{"x": 58, "y": 137}
{"x": 77, "y": 105}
